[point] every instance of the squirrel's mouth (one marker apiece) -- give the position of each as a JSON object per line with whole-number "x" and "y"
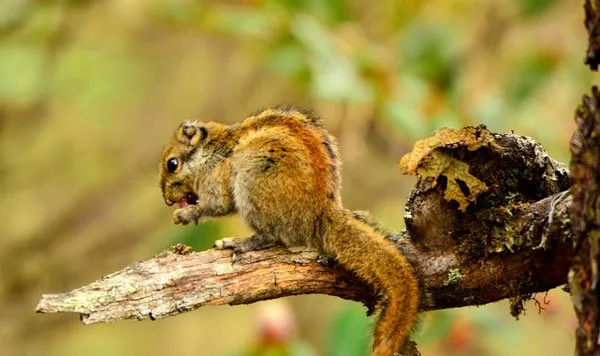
{"x": 188, "y": 199}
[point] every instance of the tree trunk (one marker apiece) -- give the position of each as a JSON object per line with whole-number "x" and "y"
{"x": 585, "y": 217}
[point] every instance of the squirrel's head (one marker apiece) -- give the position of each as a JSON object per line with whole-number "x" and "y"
{"x": 188, "y": 157}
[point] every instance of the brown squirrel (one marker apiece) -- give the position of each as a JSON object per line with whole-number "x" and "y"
{"x": 280, "y": 170}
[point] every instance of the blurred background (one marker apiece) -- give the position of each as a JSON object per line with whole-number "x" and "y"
{"x": 91, "y": 90}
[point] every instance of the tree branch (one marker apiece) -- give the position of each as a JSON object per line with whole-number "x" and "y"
{"x": 172, "y": 283}
{"x": 514, "y": 240}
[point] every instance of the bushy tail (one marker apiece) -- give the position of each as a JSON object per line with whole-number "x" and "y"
{"x": 363, "y": 250}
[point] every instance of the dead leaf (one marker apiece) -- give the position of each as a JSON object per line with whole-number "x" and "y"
{"x": 470, "y": 137}
{"x": 426, "y": 160}
{"x": 457, "y": 172}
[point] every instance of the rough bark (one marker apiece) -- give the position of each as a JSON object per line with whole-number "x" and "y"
{"x": 592, "y": 25}
{"x": 514, "y": 240}
{"x": 585, "y": 215}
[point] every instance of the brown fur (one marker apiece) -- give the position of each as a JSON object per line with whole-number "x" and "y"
{"x": 280, "y": 170}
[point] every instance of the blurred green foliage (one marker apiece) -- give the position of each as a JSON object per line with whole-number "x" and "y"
{"x": 350, "y": 333}
{"x": 90, "y": 90}
{"x": 200, "y": 238}
{"x": 535, "y": 7}
{"x": 27, "y": 61}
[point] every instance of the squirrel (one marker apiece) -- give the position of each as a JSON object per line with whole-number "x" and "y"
{"x": 279, "y": 170}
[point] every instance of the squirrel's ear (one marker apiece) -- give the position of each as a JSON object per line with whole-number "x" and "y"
{"x": 191, "y": 133}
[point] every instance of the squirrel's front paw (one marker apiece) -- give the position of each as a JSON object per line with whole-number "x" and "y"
{"x": 185, "y": 215}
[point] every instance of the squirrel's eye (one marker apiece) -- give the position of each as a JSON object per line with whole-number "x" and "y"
{"x": 172, "y": 164}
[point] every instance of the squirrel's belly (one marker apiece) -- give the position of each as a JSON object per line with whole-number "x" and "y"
{"x": 292, "y": 222}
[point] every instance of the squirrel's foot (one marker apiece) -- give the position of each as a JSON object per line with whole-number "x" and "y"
{"x": 186, "y": 215}
{"x": 241, "y": 244}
